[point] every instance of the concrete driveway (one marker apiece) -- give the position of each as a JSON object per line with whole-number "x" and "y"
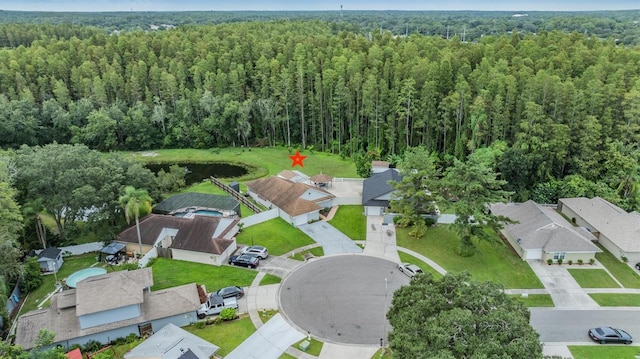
{"x": 268, "y": 342}
{"x": 332, "y": 240}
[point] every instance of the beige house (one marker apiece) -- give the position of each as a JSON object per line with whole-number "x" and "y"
{"x": 541, "y": 233}
{"x": 616, "y": 230}
{"x": 297, "y": 203}
{"x": 196, "y": 238}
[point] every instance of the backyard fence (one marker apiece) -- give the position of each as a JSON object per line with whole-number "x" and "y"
{"x": 260, "y": 217}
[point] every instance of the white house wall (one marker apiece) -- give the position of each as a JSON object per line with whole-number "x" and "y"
{"x": 198, "y": 257}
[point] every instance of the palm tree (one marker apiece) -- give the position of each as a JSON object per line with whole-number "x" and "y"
{"x": 134, "y": 202}
{"x": 34, "y": 209}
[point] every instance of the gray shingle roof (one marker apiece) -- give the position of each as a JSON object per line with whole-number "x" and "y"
{"x": 49, "y": 253}
{"x": 112, "y": 290}
{"x": 615, "y": 223}
{"x": 64, "y": 322}
{"x": 543, "y": 227}
{"x": 171, "y": 342}
{"x": 377, "y": 186}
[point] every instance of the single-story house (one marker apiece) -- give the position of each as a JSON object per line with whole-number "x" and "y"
{"x": 185, "y": 204}
{"x": 201, "y": 239}
{"x": 172, "y": 342}
{"x": 298, "y": 203}
{"x": 541, "y": 233}
{"x": 50, "y": 259}
{"x": 107, "y": 307}
{"x": 616, "y": 229}
{"x": 377, "y": 192}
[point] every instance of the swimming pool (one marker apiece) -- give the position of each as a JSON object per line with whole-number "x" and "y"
{"x": 201, "y": 212}
{"x": 73, "y": 279}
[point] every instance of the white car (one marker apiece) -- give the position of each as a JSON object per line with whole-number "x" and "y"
{"x": 409, "y": 269}
{"x": 258, "y": 251}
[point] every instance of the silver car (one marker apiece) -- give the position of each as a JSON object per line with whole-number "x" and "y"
{"x": 258, "y": 251}
{"x": 409, "y": 269}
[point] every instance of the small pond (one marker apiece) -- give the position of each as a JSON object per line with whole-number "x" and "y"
{"x": 196, "y": 172}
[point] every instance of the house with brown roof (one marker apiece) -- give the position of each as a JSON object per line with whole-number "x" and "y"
{"x": 616, "y": 229}
{"x": 540, "y": 232}
{"x": 194, "y": 238}
{"x": 297, "y": 203}
{"x": 109, "y": 306}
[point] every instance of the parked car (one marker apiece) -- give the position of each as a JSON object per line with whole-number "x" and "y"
{"x": 638, "y": 266}
{"x": 215, "y": 304}
{"x": 258, "y": 251}
{"x": 409, "y": 269}
{"x": 244, "y": 260}
{"x": 232, "y": 291}
{"x": 605, "y": 335}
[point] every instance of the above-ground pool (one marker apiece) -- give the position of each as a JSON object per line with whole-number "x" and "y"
{"x": 73, "y": 279}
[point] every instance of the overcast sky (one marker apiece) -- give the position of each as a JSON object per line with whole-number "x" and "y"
{"x": 227, "y": 5}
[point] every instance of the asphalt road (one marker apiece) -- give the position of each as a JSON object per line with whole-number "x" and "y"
{"x": 559, "y": 325}
{"x": 342, "y": 298}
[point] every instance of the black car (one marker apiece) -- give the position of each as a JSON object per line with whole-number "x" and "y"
{"x": 244, "y": 260}
{"x": 638, "y": 266}
{"x": 232, "y": 291}
{"x": 605, "y": 335}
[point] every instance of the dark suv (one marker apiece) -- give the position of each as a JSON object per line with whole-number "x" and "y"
{"x": 638, "y": 266}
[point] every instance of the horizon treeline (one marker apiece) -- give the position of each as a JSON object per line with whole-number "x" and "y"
{"x": 560, "y": 110}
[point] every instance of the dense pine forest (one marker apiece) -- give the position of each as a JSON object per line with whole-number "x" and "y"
{"x": 559, "y": 112}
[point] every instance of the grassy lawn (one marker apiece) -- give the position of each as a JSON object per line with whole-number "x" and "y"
{"x": 351, "y": 221}
{"x": 286, "y": 356}
{"x": 593, "y": 278}
{"x": 603, "y": 351}
{"x": 405, "y": 257}
{"x": 170, "y": 273}
{"x": 71, "y": 265}
{"x": 276, "y": 234}
{"x": 226, "y": 335}
{"x": 384, "y": 353}
{"x": 535, "y": 300}
{"x": 265, "y": 160}
{"x": 265, "y": 315}
{"x": 495, "y": 261}
{"x": 314, "y": 348}
{"x": 316, "y": 251}
{"x": 270, "y": 279}
{"x": 621, "y": 271}
{"x": 616, "y": 300}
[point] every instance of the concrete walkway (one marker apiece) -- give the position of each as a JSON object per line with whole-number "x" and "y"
{"x": 332, "y": 240}
{"x": 381, "y": 239}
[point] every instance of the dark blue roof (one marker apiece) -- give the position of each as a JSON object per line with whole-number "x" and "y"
{"x": 378, "y": 185}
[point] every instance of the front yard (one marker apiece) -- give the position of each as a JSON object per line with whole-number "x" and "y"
{"x": 351, "y": 221}
{"x": 171, "y": 273}
{"x": 495, "y": 261}
{"x": 277, "y": 235}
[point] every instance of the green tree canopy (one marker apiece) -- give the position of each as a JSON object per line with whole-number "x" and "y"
{"x": 457, "y": 317}
{"x": 472, "y": 186}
